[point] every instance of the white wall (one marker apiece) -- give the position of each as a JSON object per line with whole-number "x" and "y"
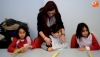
{"x": 22, "y": 10}
{"x": 76, "y": 11}
{"x": 72, "y": 12}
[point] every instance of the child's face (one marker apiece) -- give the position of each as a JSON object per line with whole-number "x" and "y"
{"x": 57, "y": 34}
{"x": 22, "y": 33}
{"x": 85, "y": 32}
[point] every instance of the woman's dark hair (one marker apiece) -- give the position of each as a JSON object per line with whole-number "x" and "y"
{"x": 54, "y": 28}
{"x": 49, "y": 6}
{"x": 80, "y": 28}
{"x": 25, "y": 29}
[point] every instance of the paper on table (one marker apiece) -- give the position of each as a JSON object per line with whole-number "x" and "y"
{"x": 89, "y": 54}
{"x": 55, "y": 54}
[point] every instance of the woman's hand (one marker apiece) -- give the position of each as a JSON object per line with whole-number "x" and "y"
{"x": 50, "y": 49}
{"x": 82, "y": 49}
{"x": 47, "y": 40}
{"x": 63, "y": 39}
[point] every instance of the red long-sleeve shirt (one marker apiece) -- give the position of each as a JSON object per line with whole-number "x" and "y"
{"x": 19, "y": 43}
{"x": 95, "y": 44}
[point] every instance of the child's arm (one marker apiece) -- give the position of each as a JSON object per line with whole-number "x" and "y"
{"x": 46, "y": 47}
{"x": 30, "y": 43}
{"x": 64, "y": 45}
{"x": 33, "y": 45}
{"x": 12, "y": 46}
{"x": 95, "y": 44}
{"x": 43, "y": 46}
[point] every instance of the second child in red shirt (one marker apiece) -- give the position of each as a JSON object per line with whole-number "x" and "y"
{"x": 22, "y": 40}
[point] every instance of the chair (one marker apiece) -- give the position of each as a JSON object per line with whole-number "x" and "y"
{"x": 74, "y": 42}
{"x": 38, "y": 41}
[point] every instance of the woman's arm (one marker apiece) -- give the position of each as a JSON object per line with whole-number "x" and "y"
{"x": 42, "y": 34}
{"x": 63, "y": 39}
{"x": 59, "y": 22}
{"x": 63, "y": 31}
{"x": 40, "y": 26}
{"x": 47, "y": 40}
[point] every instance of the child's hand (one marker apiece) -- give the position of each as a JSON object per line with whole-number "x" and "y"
{"x": 22, "y": 51}
{"x": 50, "y": 49}
{"x": 24, "y": 48}
{"x": 82, "y": 49}
{"x": 30, "y": 46}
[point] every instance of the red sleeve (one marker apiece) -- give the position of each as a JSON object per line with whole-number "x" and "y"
{"x": 95, "y": 44}
{"x": 12, "y": 46}
{"x": 33, "y": 44}
{"x": 74, "y": 42}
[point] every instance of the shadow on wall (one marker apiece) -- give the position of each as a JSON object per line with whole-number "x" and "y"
{"x": 33, "y": 33}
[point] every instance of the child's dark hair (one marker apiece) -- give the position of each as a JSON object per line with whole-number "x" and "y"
{"x": 80, "y": 28}
{"x": 25, "y": 29}
{"x": 54, "y": 28}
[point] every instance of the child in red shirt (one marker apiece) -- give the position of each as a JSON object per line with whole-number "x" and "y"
{"x": 84, "y": 40}
{"x": 22, "y": 40}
